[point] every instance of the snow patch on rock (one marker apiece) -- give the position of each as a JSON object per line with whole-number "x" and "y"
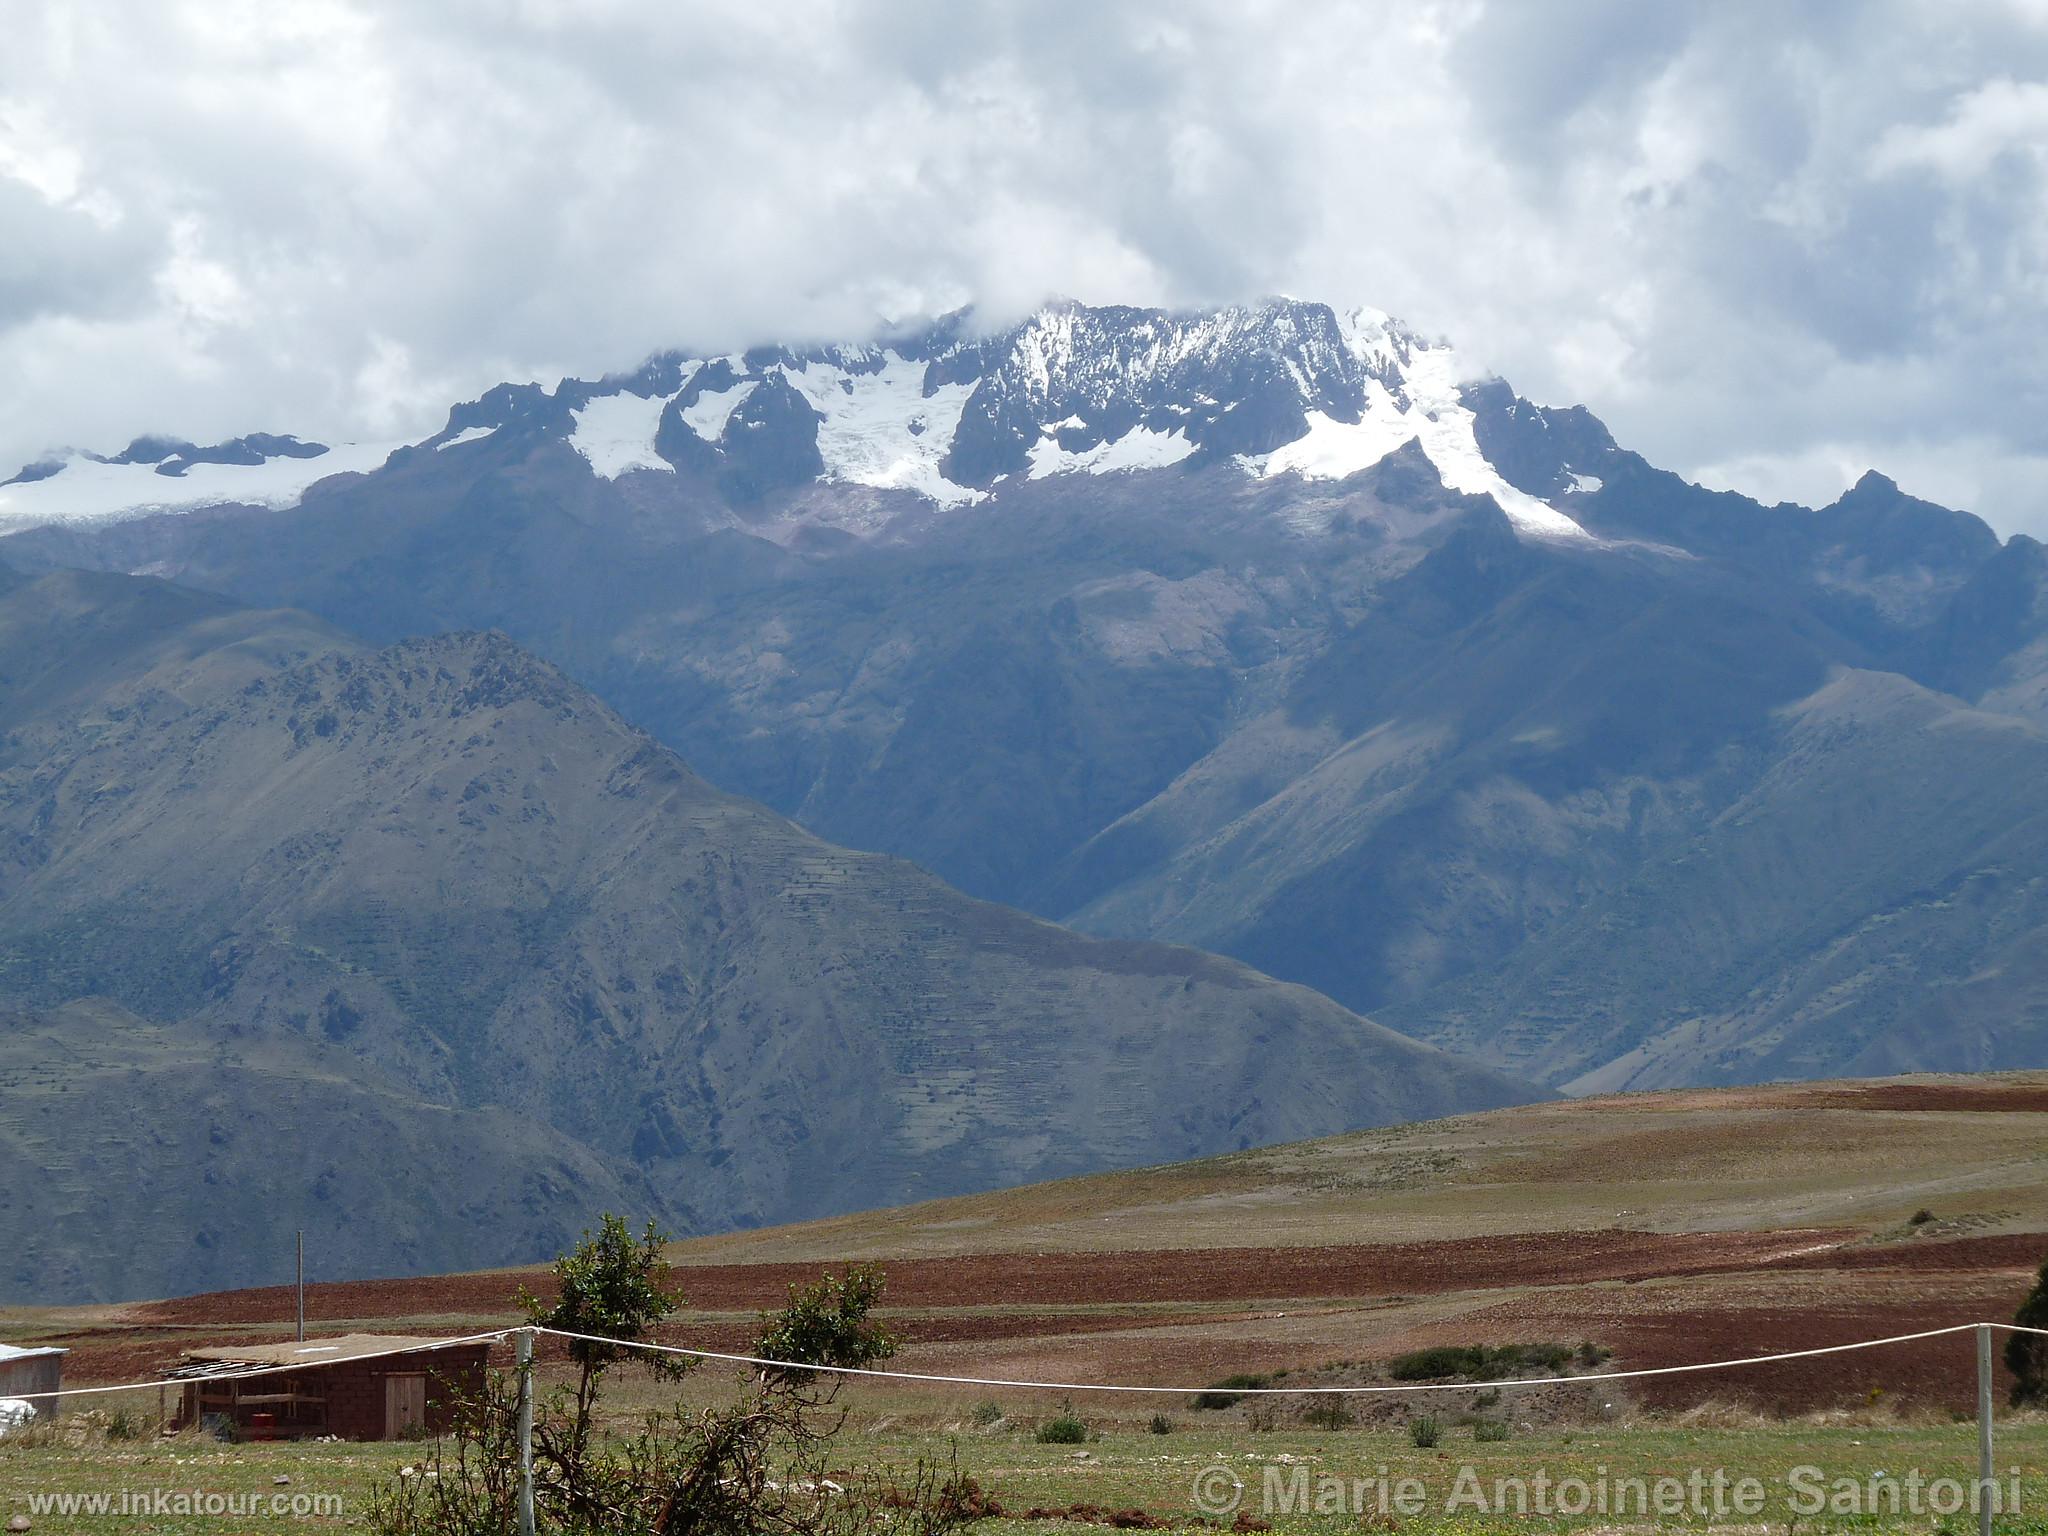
{"x": 881, "y": 429}
{"x": 616, "y": 433}
{"x": 87, "y": 490}
{"x": 1433, "y": 414}
{"x": 1139, "y": 448}
{"x": 709, "y": 412}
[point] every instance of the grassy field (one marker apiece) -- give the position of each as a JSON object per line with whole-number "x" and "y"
{"x": 1862, "y": 1154}
{"x": 1279, "y": 1476}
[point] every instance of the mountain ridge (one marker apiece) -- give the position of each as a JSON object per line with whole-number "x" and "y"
{"x": 440, "y": 890}
{"x": 1343, "y": 707}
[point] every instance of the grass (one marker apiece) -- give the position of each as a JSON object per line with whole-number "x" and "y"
{"x": 1727, "y": 1159}
{"x": 1126, "y": 1466}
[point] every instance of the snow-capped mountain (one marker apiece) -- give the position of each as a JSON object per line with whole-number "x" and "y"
{"x": 941, "y": 418}
{"x": 1267, "y": 630}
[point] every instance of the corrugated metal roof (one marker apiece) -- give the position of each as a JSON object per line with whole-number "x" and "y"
{"x": 19, "y": 1352}
{"x": 349, "y": 1346}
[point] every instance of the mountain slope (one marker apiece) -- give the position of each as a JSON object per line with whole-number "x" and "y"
{"x": 1261, "y": 628}
{"x": 446, "y": 867}
{"x": 1878, "y": 895}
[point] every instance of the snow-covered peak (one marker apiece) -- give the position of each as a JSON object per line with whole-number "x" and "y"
{"x": 158, "y": 475}
{"x": 943, "y": 418}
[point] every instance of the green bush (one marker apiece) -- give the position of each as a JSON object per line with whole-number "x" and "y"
{"x": 1920, "y": 1218}
{"x": 1064, "y": 1430}
{"x": 1423, "y": 1433}
{"x": 985, "y": 1413}
{"x": 753, "y": 1465}
{"x": 827, "y": 1323}
{"x": 2026, "y": 1354}
{"x": 1328, "y": 1413}
{"x": 1160, "y": 1425}
{"x": 1228, "y": 1392}
{"x": 1487, "y": 1431}
{"x": 1448, "y": 1362}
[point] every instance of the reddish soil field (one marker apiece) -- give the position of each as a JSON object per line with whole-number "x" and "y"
{"x": 1986, "y": 1098}
{"x": 1093, "y": 1279}
{"x": 1654, "y": 1299}
{"x": 2011, "y": 1250}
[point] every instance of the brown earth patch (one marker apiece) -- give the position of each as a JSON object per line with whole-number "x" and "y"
{"x": 1085, "y": 1279}
{"x": 2018, "y": 1095}
{"x": 1655, "y": 1299}
{"x": 2021, "y": 1251}
{"x": 1966, "y": 1098}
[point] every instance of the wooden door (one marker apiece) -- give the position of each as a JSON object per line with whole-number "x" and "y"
{"x": 405, "y": 1406}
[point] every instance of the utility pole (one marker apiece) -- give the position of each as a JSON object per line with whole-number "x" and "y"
{"x": 302, "y": 1285}
{"x": 1986, "y": 1485}
{"x": 525, "y": 1348}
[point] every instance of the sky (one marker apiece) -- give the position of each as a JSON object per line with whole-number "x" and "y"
{"x": 1770, "y": 245}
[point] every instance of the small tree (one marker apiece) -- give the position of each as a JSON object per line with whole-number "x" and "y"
{"x": 2026, "y": 1354}
{"x": 609, "y": 1286}
{"x": 827, "y": 1323}
{"x": 761, "y": 1466}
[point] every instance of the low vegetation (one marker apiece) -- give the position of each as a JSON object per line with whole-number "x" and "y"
{"x": 2026, "y": 1354}
{"x": 1230, "y": 1391}
{"x": 1062, "y": 1429}
{"x": 1456, "y": 1362}
{"x": 760, "y": 1463}
{"x": 890, "y": 1433}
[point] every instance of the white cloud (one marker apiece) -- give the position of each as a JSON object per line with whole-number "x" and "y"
{"x": 1998, "y": 117}
{"x": 1753, "y": 241}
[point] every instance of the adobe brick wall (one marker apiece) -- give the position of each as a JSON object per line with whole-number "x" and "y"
{"x": 355, "y": 1389}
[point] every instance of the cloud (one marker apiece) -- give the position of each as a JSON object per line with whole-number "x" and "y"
{"x": 1998, "y": 118}
{"x": 1776, "y": 245}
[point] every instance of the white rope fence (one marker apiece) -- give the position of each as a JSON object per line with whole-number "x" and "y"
{"x": 1428, "y": 1386}
{"x": 498, "y": 1336}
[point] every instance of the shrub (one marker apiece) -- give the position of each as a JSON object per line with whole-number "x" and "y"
{"x": 1228, "y": 1392}
{"x": 985, "y": 1413}
{"x": 827, "y": 1323}
{"x": 1423, "y": 1433}
{"x": 1450, "y": 1361}
{"x": 1487, "y": 1431}
{"x": 1920, "y": 1218}
{"x": 1434, "y": 1364}
{"x": 610, "y": 1286}
{"x": 1063, "y": 1430}
{"x": 2026, "y": 1354}
{"x": 1328, "y": 1413}
{"x": 756, "y": 1465}
{"x": 1160, "y": 1424}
